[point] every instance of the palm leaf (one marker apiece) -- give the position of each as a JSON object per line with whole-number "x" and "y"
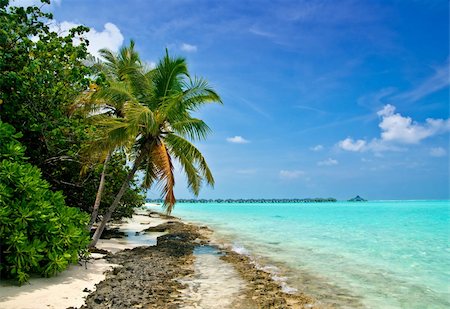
{"x": 184, "y": 150}
{"x": 163, "y": 163}
{"x": 192, "y": 128}
{"x": 140, "y": 119}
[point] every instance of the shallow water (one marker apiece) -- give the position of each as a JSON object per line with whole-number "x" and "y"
{"x": 214, "y": 284}
{"x": 389, "y": 254}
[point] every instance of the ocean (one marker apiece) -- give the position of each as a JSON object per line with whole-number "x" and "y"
{"x": 379, "y": 254}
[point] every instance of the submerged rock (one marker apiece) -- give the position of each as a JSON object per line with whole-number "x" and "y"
{"x": 263, "y": 290}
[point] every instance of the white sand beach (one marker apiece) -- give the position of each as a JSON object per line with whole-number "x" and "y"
{"x": 70, "y": 287}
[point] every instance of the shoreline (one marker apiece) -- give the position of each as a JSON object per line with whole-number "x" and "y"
{"x": 174, "y": 283}
{"x": 168, "y": 271}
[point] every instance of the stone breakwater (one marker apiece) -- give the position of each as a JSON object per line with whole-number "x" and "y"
{"x": 152, "y": 277}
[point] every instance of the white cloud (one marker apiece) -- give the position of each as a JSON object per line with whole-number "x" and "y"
{"x": 439, "y": 80}
{"x": 110, "y": 37}
{"x": 150, "y": 64}
{"x": 188, "y": 48}
{"x": 260, "y": 32}
{"x": 397, "y": 130}
{"x": 328, "y": 162}
{"x": 376, "y": 98}
{"x": 438, "y": 152}
{"x": 237, "y": 140}
{"x": 316, "y": 148}
{"x": 250, "y": 171}
{"x": 291, "y": 174}
{"x": 350, "y": 145}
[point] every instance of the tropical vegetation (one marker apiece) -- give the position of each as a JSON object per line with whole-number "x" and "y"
{"x": 38, "y": 232}
{"x": 157, "y": 124}
{"x": 88, "y": 127}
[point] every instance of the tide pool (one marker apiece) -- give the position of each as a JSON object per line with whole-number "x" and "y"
{"x": 383, "y": 254}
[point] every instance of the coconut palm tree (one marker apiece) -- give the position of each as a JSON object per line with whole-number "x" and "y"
{"x": 118, "y": 71}
{"x": 157, "y": 128}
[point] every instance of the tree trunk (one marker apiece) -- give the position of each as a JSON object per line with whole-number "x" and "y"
{"x": 107, "y": 216}
{"x": 98, "y": 197}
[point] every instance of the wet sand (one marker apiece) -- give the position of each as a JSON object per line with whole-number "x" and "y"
{"x": 179, "y": 266}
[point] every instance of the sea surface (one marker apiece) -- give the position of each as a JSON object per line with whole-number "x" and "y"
{"x": 380, "y": 254}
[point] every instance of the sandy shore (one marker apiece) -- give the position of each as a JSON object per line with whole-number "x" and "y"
{"x": 161, "y": 263}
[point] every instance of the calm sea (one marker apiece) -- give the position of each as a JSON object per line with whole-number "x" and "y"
{"x": 381, "y": 254}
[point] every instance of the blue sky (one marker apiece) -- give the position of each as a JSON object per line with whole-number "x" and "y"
{"x": 321, "y": 98}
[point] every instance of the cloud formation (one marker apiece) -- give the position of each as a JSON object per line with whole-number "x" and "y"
{"x": 350, "y": 145}
{"x": 291, "y": 174}
{"x": 438, "y": 152}
{"x": 316, "y": 148}
{"x": 110, "y": 37}
{"x": 439, "y": 80}
{"x": 328, "y": 162}
{"x": 397, "y": 130}
{"x": 188, "y": 48}
{"x": 237, "y": 140}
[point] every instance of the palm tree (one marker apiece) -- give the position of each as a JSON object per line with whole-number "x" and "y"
{"x": 157, "y": 128}
{"x": 108, "y": 100}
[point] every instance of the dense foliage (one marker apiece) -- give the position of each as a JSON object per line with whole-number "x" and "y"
{"x": 115, "y": 174}
{"x": 43, "y": 74}
{"x": 43, "y": 84}
{"x": 38, "y": 232}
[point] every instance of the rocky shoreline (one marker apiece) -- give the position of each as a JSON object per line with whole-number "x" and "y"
{"x": 152, "y": 277}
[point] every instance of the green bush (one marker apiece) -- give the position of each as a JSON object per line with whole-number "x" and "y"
{"x": 38, "y": 232}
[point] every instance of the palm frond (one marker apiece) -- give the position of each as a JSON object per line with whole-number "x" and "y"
{"x": 113, "y": 96}
{"x": 184, "y": 150}
{"x": 197, "y": 92}
{"x": 163, "y": 163}
{"x": 140, "y": 119}
{"x": 112, "y": 133}
{"x": 192, "y": 128}
{"x": 150, "y": 173}
{"x": 169, "y": 74}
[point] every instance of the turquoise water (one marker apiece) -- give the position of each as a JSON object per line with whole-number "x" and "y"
{"x": 387, "y": 254}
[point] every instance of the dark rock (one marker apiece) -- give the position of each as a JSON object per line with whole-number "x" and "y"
{"x": 99, "y": 299}
{"x": 263, "y": 290}
{"x": 177, "y": 244}
{"x": 147, "y": 276}
{"x": 165, "y": 227}
{"x": 97, "y": 250}
{"x": 113, "y": 233}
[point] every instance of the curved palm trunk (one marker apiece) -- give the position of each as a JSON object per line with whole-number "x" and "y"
{"x": 98, "y": 197}
{"x": 107, "y": 216}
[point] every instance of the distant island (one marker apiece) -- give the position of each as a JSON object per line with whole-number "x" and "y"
{"x": 357, "y": 199}
{"x": 255, "y": 201}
